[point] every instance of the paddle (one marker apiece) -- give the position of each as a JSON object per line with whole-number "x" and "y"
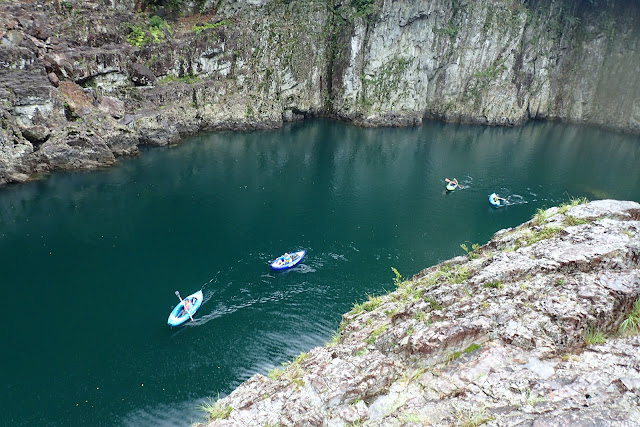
{"x": 185, "y": 308}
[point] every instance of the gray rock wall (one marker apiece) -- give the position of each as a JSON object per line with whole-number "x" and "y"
{"x": 109, "y": 72}
{"x": 493, "y": 62}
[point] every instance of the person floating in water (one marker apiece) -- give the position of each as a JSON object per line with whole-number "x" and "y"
{"x": 452, "y": 184}
{"x": 495, "y": 199}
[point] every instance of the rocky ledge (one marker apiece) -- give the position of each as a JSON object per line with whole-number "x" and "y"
{"x": 537, "y": 327}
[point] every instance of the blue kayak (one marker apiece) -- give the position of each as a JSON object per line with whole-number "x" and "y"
{"x": 495, "y": 200}
{"x": 179, "y": 315}
{"x": 287, "y": 260}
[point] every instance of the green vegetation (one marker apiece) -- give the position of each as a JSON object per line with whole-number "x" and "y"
{"x": 532, "y": 399}
{"x": 275, "y": 373}
{"x": 444, "y": 274}
{"x": 371, "y": 304}
{"x": 473, "y": 347}
{"x": 300, "y": 358}
{"x": 496, "y": 284}
{"x": 433, "y": 304}
{"x": 202, "y": 26}
{"x": 573, "y": 201}
{"x": 418, "y": 373}
{"x": 65, "y": 6}
{"x": 631, "y": 324}
{"x": 471, "y": 418}
{"x": 473, "y": 253}
{"x": 453, "y": 356}
{"x": 153, "y": 32}
{"x": 572, "y": 220}
{"x": 456, "y": 354}
{"x": 215, "y": 411}
{"x": 593, "y": 336}
{"x": 432, "y": 279}
{"x": 483, "y": 79}
{"x": 460, "y": 275}
{"x": 540, "y": 217}
{"x": 337, "y": 335}
{"x": 156, "y": 27}
{"x": 294, "y": 375}
{"x": 387, "y": 80}
{"x": 413, "y": 418}
{"x": 450, "y": 31}
{"x": 392, "y": 312}
{"x": 364, "y": 7}
{"x": 543, "y": 234}
{"x": 421, "y": 316}
{"x": 375, "y": 334}
{"x": 491, "y": 72}
{"x": 414, "y": 376}
{"x": 398, "y": 279}
{"x": 176, "y": 6}
{"x": 291, "y": 371}
{"x": 187, "y": 78}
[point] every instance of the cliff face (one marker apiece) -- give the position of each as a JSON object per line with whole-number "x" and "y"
{"x": 493, "y": 62}
{"x": 82, "y": 82}
{"x": 532, "y": 328}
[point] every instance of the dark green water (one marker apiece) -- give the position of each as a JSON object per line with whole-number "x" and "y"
{"x": 90, "y": 261}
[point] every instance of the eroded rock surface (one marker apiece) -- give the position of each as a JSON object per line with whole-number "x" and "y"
{"x": 525, "y": 330}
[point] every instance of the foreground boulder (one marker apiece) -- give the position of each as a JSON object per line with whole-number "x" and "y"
{"x": 537, "y": 327}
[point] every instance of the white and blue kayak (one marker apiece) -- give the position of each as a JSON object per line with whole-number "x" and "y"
{"x": 287, "y": 260}
{"x": 495, "y": 200}
{"x": 179, "y": 315}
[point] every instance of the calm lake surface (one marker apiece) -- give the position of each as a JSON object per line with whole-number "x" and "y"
{"x": 90, "y": 261}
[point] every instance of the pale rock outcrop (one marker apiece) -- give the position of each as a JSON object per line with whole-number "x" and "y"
{"x": 525, "y": 330}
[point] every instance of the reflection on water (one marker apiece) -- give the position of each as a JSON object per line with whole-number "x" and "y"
{"x": 99, "y": 254}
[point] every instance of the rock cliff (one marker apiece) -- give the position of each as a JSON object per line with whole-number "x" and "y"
{"x": 83, "y": 82}
{"x": 537, "y": 327}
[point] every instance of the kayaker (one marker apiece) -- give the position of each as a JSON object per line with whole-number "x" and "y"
{"x": 495, "y": 198}
{"x": 287, "y": 258}
{"x": 187, "y": 305}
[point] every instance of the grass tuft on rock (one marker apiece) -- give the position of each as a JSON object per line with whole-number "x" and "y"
{"x": 573, "y": 201}
{"x": 593, "y": 336}
{"x": 215, "y": 410}
{"x": 631, "y": 324}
